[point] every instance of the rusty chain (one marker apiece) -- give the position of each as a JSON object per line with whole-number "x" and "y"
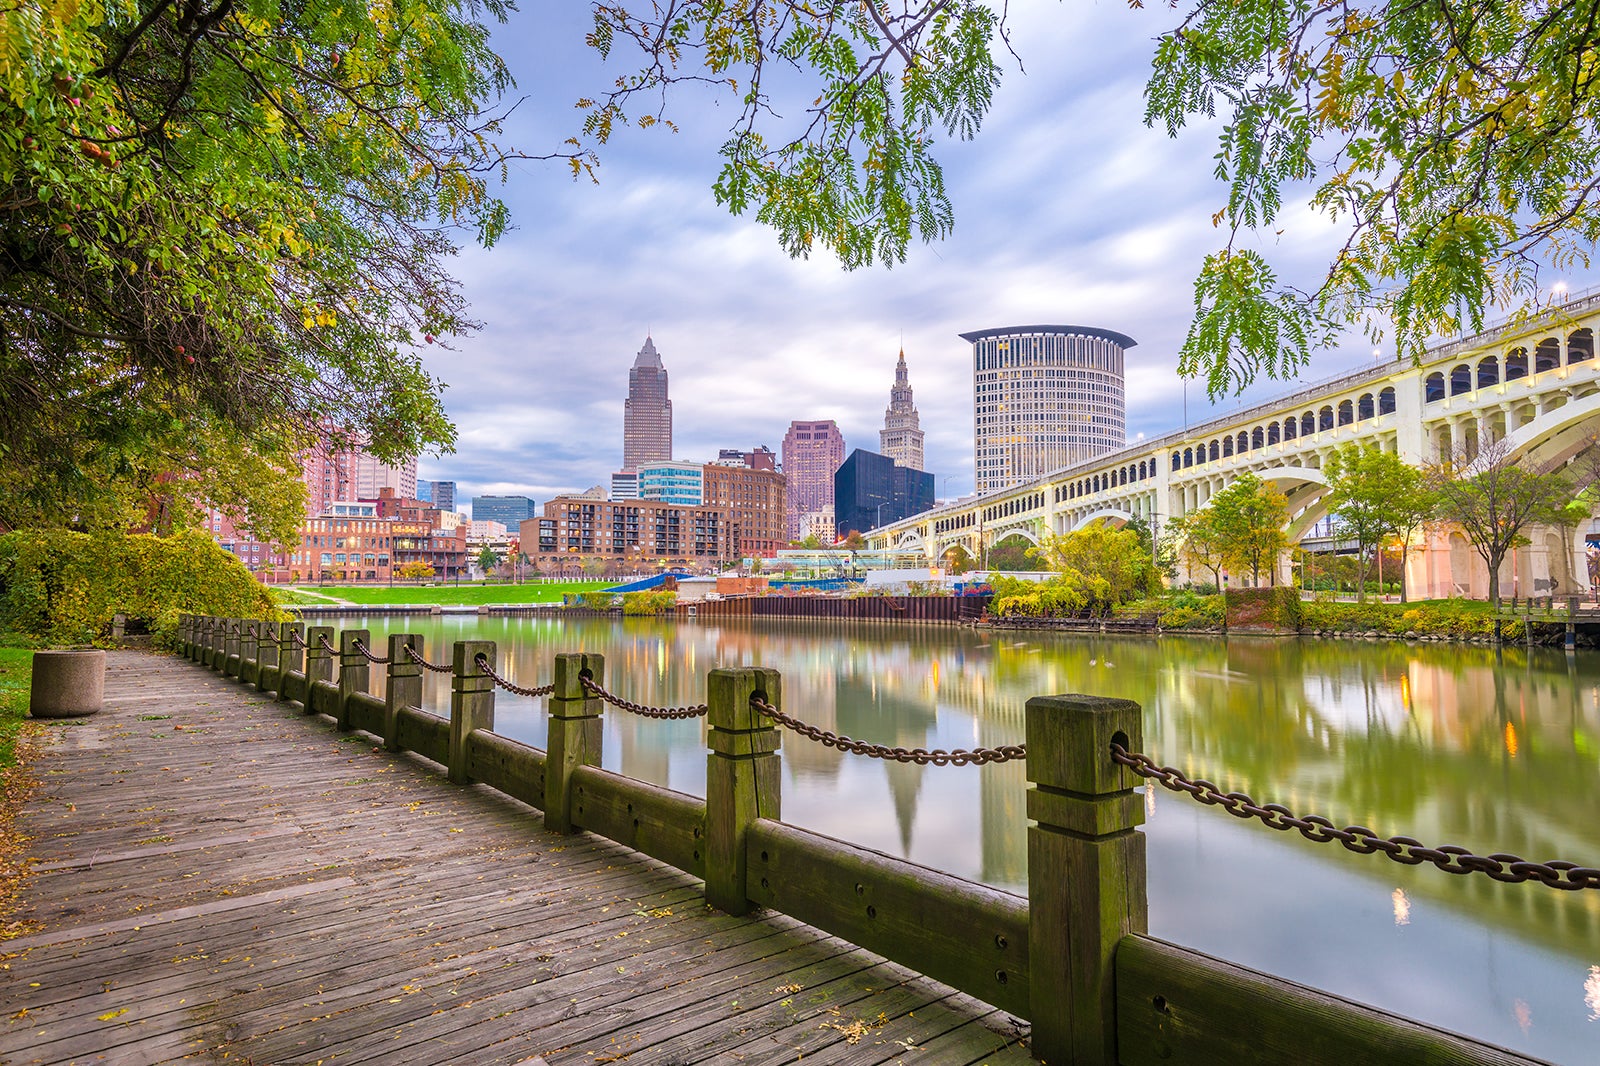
{"x": 322, "y": 642}
{"x": 1511, "y": 869}
{"x": 297, "y": 638}
{"x": 538, "y": 690}
{"x": 252, "y": 631}
{"x": 411, "y": 653}
{"x": 366, "y": 653}
{"x": 919, "y": 756}
{"x": 664, "y": 713}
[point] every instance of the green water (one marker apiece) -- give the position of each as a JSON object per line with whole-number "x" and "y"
{"x": 1496, "y": 752}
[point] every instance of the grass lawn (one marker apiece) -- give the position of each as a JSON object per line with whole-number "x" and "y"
{"x": 16, "y": 675}
{"x": 365, "y": 595}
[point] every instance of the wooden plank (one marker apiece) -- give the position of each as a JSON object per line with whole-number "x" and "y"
{"x": 970, "y": 936}
{"x": 365, "y": 711}
{"x": 660, "y": 822}
{"x": 507, "y": 766}
{"x": 1178, "y": 1005}
{"x": 426, "y": 734}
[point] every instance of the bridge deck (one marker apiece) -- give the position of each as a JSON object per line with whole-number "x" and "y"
{"x": 218, "y": 878}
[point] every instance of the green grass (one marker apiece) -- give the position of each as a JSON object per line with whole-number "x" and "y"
{"x": 374, "y": 595}
{"x": 16, "y": 675}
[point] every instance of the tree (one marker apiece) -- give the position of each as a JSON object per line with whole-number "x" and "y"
{"x": 415, "y": 570}
{"x": 1013, "y": 553}
{"x": 1493, "y": 497}
{"x": 958, "y": 560}
{"x": 1201, "y": 543}
{"x": 1374, "y": 495}
{"x": 1115, "y": 558}
{"x": 1250, "y": 515}
{"x": 227, "y": 223}
{"x": 853, "y": 540}
{"x": 488, "y": 559}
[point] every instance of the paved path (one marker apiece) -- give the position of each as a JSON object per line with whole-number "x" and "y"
{"x": 218, "y": 878}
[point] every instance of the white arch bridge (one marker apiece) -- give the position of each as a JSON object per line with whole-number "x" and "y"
{"x": 1535, "y": 385}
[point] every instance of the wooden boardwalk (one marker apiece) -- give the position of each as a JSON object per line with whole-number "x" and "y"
{"x": 218, "y": 878}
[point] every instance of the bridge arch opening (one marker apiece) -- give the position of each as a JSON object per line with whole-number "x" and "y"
{"x": 1488, "y": 371}
{"x": 1347, "y": 413}
{"x": 1460, "y": 379}
{"x": 1365, "y": 407}
{"x": 1546, "y": 355}
{"x": 1433, "y": 388}
{"x": 1580, "y": 345}
{"x": 1325, "y": 417}
{"x": 1516, "y": 364}
{"x": 1272, "y": 433}
{"x": 1289, "y": 426}
{"x": 1257, "y": 438}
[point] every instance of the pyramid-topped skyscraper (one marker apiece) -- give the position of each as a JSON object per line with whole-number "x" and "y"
{"x": 647, "y": 413}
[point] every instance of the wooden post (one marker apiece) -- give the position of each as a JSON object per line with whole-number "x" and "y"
{"x": 268, "y": 676}
{"x": 1086, "y": 871}
{"x": 355, "y": 673}
{"x": 233, "y": 636}
{"x": 471, "y": 702}
{"x": 249, "y": 651}
{"x": 208, "y": 636}
{"x": 319, "y": 660}
{"x": 574, "y": 735}
{"x": 219, "y": 643}
{"x": 742, "y": 778}
{"x": 183, "y": 635}
{"x": 291, "y": 654}
{"x": 404, "y": 688}
{"x": 1571, "y": 639}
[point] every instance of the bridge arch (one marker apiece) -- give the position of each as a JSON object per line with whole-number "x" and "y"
{"x": 1115, "y": 517}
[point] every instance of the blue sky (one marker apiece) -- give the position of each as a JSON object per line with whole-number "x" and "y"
{"x": 1068, "y": 210}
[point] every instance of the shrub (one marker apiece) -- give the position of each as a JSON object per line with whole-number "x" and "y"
{"x": 60, "y": 587}
{"x": 648, "y": 603}
{"x": 1277, "y": 607}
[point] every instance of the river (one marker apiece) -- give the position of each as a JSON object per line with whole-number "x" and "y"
{"x": 1496, "y": 751}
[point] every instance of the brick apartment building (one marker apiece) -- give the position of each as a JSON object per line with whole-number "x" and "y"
{"x": 625, "y": 535}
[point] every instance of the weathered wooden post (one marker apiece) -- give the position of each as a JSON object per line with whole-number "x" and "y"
{"x": 319, "y": 660}
{"x": 219, "y": 643}
{"x": 574, "y": 734}
{"x": 202, "y": 641}
{"x": 471, "y": 702}
{"x": 1086, "y": 871}
{"x": 249, "y": 651}
{"x": 742, "y": 777}
{"x": 404, "y": 687}
{"x": 269, "y": 677}
{"x": 291, "y": 655}
{"x": 183, "y": 635}
{"x": 355, "y": 672}
{"x": 234, "y": 632}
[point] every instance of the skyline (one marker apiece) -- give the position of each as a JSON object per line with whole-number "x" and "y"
{"x": 1068, "y": 210}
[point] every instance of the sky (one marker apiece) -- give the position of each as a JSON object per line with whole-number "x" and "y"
{"x": 1069, "y": 210}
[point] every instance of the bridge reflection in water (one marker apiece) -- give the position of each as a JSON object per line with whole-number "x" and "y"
{"x": 1493, "y": 751}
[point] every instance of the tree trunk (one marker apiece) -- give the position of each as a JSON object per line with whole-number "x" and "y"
{"x": 1494, "y": 578}
{"x": 1403, "y": 572}
{"x": 1379, "y": 557}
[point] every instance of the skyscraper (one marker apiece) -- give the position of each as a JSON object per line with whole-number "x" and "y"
{"x": 441, "y": 493}
{"x": 872, "y": 490}
{"x": 901, "y": 436}
{"x": 812, "y": 452}
{"x": 1044, "y": 397}
{"x": 647, "y": 413}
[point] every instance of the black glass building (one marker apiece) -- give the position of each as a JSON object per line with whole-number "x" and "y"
{"x": 869, "y": 491}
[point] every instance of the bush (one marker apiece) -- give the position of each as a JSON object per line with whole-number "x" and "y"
{"x": 648, "y": 603}
{"x": 1454, "y": 618}
{"x": 1274, "y": 607}
{"x": 59, "y": 587}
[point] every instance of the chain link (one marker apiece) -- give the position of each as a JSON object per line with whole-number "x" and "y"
{"x": 297, "y": 638}
{"x": 425, "y": 664}
{"x": 367, "y": 654}
{"x": 919, "y": 756}
{"x": 640, "y": 709}
{"x": 252, "y": 632}
{"x": 538, "y": 690}
{"x": 322, "y": 642}
{"x": 1511, "y": 869}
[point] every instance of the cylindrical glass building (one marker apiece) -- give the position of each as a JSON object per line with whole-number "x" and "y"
{"x": 1044, "y": 397}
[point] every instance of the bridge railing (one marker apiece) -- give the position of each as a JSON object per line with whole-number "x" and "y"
{"x": 1073, "y": 958}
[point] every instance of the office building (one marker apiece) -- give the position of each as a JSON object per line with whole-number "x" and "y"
{"x": 647, "y": 413}
{"x": 624, "y": 535}
{"x": 1044, "y": 397}
{"x": 442, "y": 494}
{"x": 674, "y": 481}
{"x": 812, "y": 452}
{"x": 509, "y": 511}
{"x": 753, "y": 498}
{"x": 625, "y": 485}
{"x": 872, "y": 490}
{"x": 763, "y": 458}
{"x": 901, "y": 436}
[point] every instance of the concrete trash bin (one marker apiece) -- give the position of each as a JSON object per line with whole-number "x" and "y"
{"x": 67, "y": 683}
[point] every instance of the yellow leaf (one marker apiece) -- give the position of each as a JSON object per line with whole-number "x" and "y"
{"x": 113, "y": 1015}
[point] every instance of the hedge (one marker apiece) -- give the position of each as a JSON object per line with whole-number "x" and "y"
{"x": 58, "y": 587}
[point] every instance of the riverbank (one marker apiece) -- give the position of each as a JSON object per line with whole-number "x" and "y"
{"x": 473, "y": 594}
